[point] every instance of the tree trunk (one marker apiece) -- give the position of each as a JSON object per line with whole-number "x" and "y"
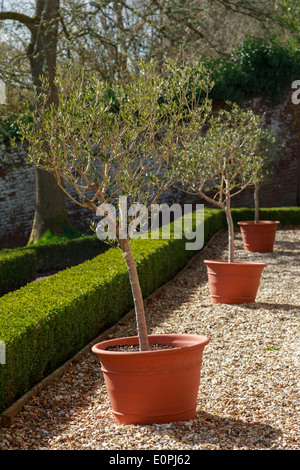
{"x": 50, "y": 211}
{"x": 226, "y": 208}
{"x": 137, "y": 295}
{"x": 230, "y": 231}
{"x": 256, "y": 203}
{"x": 50, "y": 208}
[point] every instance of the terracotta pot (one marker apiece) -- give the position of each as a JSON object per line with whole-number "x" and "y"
{"x": 259, "y": 236}
{"x": 157, "y": 386}
{"x": 233, "y": 283}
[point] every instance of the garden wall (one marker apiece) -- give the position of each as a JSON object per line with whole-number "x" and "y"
{"x": 17, "y": 201}
{"x": 17, "y": 179}
{"x": 284, "y": 190}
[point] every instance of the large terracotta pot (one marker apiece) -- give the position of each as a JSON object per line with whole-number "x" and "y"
{"x": 156, "y": 386}
{"x": 259, "y": 236}
{"x": 233, "y": 283}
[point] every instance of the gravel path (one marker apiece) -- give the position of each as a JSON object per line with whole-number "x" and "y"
{"x": 249, "y": 391}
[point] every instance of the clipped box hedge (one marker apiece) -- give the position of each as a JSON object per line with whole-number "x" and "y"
{"x": 288, "y": 216}
{"x": 21, "y": 265}
{"x": 69, "y": 253}
{"x": 17, "y": 268}
{"x": 44, "y": 324}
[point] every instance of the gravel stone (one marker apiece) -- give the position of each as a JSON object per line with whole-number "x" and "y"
{"x": 249, "y": 391}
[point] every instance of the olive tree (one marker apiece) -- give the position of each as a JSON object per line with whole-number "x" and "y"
{"x": 127, "y": 140}
{"x": 224, "y": 161}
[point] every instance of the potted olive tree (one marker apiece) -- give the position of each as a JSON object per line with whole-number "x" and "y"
{"x": 107, "y": 144}
{"x": 259, "y": 235}
{"x": 221, "y": 164}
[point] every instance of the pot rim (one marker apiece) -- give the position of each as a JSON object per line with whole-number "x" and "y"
{"x": 260, "y": 222}
{"x": 99, "y": 349}
{"x": 234, "y": 263}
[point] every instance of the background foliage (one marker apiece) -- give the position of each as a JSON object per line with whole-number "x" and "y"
{"x": 261, "y": 67}
{"x": 258, "y": 67}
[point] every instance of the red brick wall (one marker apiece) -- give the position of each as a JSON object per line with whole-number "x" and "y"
{"x": 17, "y": 202}
{"x": 284, "y": 189}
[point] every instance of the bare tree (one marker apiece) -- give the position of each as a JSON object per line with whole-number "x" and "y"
{"x": 109, "y": 35}
{"x": 50, "y": 212}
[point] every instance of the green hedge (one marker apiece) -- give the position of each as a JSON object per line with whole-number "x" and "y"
{"x": 288, "y": 216}
{"x": 63, "y": 255}
{"x": 20, "y": 266}
{"x": 44, "y": 324}
{"x": 16, "y": 269}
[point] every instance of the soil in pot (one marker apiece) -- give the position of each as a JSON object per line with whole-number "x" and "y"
{"x": 233, "y": 283}
{"x": 156, "y": 386}
{"x": 259, "y": 236}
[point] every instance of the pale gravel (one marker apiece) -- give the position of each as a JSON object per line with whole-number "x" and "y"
{"x": 249, "y": 391}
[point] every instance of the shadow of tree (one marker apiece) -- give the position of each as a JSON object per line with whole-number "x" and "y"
{"x": 287, "y": 254}
{"x": 270, "y": 306}
{"x": 226, "y": 433}
{"x": 234, "y": 433}
{"x": 286, "y": 244}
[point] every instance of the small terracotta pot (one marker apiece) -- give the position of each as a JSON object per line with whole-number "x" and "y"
{"x": 233, "y": 283}
{"x": 158, "y": 386}
{"x": 259, "y": 236}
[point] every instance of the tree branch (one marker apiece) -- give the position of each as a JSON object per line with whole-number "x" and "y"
{"x": 27, "y": 21}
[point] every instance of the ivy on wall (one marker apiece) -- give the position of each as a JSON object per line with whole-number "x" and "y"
{"x": 9, "y": 129}
{"x": 258, "y": 67}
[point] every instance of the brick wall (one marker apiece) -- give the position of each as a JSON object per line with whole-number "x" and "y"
{"x": 17, "y": 179}
{"x": 17, "y": 201}
{"x": 284, "y": 190}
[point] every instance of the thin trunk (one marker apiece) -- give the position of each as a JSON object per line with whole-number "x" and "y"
{"x": 50, "y": 210}
{"x": 256, "y": 203}
{"x": 226, "y": 208}
{"x": 121, "y": 235}
{"x": 137, "y": 296}
{"x": 230, "y": 231}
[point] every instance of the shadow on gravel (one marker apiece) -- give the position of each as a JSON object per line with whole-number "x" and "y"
{"x": 286, "y": 243}
{"x": 234, "y": 433}
{"x": 270, "y": 306}
{"x": 222, "y": 433}
{"x": 287, "y": 258}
